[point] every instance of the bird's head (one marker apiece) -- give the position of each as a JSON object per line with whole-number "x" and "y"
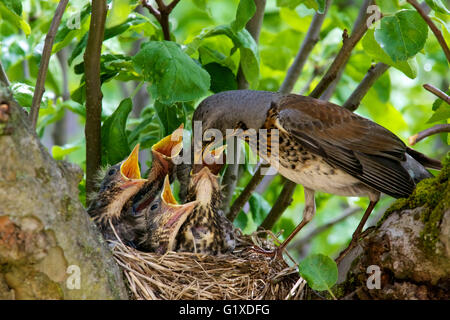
{"x": 227, "y": 110}
{"x": 204, "y": 182}
{"x": 166, "y": 150}
{"x": 120, "y": 182}
{"x": 164, "y": 218}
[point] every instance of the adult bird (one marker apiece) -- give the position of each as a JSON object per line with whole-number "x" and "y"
{"x": 322, "y": 146}
{"x": 161, "y": 221}
{"x": 206, "y": 230}
{"x": 123, "y": 194}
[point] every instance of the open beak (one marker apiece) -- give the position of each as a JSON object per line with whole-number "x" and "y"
{"x": 213, "y": 159}
{"x": 174, "y": 214}
{"x": 170, "y": 146}
{"x": 130, "y": 169}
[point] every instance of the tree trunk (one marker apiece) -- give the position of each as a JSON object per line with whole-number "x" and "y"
{"x": 410, "y": 247}
{"x": 49, "y": 248}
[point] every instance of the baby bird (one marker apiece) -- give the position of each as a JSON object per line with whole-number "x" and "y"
{"x": 123, "y": 206}
{"x": 206, "y": 230}
{"x": 121, "y": 182}
{"x": 162, "y": 221}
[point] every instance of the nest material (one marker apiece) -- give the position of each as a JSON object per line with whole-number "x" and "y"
{"x": 243, "y": 274}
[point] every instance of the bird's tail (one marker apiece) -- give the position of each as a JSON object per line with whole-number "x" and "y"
{"x": 424, "y": 160}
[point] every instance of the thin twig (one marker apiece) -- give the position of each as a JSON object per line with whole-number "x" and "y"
{"x": 162, "y": 14}
{"x": 298, "y": 245}
{"x": 254, "y": 24}
{"x": 46, "y": 53}
{"x": 310, "y": 40}
{"x": 352, "y": 103}
{"x": 432, "y": 26}
{"x": 439, "y": 128}
{"x": 437, "y": 92}
{"x": 343, "y": 56}
{"x": 93, "y": 92}
{"x": 283, "y": 201}
{"x": 239, "y": 203}
{"x": 4, "y": 76}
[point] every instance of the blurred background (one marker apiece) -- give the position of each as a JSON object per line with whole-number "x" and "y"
{"x": 397, "y": 101}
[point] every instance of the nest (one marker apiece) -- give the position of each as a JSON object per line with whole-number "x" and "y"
{"x": 243, "y": 274}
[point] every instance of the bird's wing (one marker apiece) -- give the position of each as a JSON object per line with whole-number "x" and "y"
{"x": 352, "y": 143}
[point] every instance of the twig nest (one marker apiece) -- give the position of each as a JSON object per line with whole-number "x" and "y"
{"x": 243, "y": 274}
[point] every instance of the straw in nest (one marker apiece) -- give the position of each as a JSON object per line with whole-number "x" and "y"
{"x": 243, "y": 274}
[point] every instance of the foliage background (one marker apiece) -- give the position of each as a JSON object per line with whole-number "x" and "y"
{"x": 205, "y": 61}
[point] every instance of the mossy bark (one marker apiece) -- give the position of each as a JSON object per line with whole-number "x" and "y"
{"x": 46, "y": 236}
{"x": 410, "y": 246}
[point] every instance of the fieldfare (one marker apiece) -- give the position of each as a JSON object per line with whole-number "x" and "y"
{"x": 320, "y": 145}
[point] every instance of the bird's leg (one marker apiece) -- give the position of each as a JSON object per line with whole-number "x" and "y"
{"x": 308, "y": 213}
{"x": 357, "y": 233}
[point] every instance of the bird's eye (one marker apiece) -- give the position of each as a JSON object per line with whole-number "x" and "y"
{"x": 154, "y": 207}
{"x": 111, "y": 171}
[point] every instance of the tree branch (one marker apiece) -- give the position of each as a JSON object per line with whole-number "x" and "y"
{"x": 311, "y": 38}
{"x": 283, "y": 201}
{"x": 4, "y": 76}
{"x": 352, "y": 103}
{"x": 432, "y": 26}
{"x": 162, "y": 14}
{"x": 343, "y": 56}
{"x": 46, "y": 53}
{"x": 438, "y": 128}
{"x": 437, "y": 92}
{"x": 93, "y": 92}
{"x": 298, "y": 245}
{"x": 239, "y": 203}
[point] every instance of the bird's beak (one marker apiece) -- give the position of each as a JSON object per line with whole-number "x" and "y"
{"x": 170, "y": 146}
{"x": 213, "y": 159}
{"x": 130, "y": 169}
{"x": 174, "y": 214}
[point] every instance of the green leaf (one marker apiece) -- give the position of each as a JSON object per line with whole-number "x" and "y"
{"x": 14, "y": 5}
{"x": 259, "y": 208}
{"x": 69, "y": 29}
{"x": 222, "y": 78}
{"x": 172, "y": 74}
{"x": 23, "y": 94}
{"x": 133, "y": 20}
{"x": 320, "y": 271}
{"x": 241, "y": 220}
{"x": 242, "y": 41}
{"x": 115, "y": 146}
{"x": 402, "y": 35}
{"x": 9, "y": 11}
{"x": 318, "y": 5}
{"x": 438, "y": 6}
{"x": 170, "y": 115}
{"x": 372, "y": 48}
{"x": 119, "y": 12}
{"x": 442, "y": 113}
{"x": 59, "y": 153}
{"x": 245, "y": 11}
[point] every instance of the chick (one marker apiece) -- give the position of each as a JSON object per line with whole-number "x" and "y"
{"x": 163, "y": 219}
{"x": 206, "y": 230}
{"x": 124, "y": 209}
